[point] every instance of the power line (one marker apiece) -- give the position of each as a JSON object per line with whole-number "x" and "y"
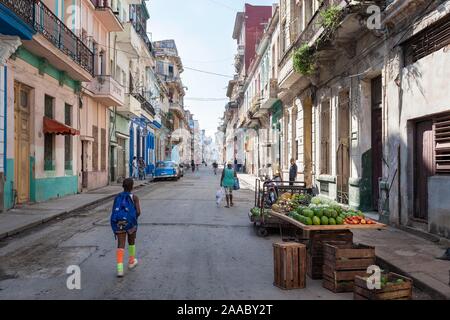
{"x": 223, "y": 5}
{"x": 208, "y": 72}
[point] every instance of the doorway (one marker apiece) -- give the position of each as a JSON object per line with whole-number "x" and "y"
{"x": 343, "y": 150}
{"x": 377, "y": 140}
{"x": 84, "y": 164}
{"x": 112, "y": 163}
{"x": 423, "y": 167}
{"x": 121, "y": 153}
{"x": 22, "y": 142}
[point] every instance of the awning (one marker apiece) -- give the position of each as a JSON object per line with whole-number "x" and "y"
{"x": 54, "y": 127}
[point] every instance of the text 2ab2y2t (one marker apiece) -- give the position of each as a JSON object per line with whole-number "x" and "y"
{"x": 226, "y": 310}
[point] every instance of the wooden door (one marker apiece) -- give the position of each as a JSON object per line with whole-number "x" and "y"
{"x": 377, "y": 139}
{"x": 84, "y": 164}
{"x": 424, "y": 167}
{"x": 22, "y": 142}
{"x": 343, "y": 150}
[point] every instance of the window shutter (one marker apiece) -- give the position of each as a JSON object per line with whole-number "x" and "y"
{"x": 442, "y": 141}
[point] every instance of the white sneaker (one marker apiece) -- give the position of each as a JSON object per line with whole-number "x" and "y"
{"x": 134, "y": 264}
{"x": 120, "y": 273}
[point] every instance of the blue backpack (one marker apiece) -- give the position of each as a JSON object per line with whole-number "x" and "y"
{"x": 124, "y": 215}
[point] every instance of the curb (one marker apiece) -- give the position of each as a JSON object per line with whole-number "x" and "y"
{"x": 38, "y": 223}
{"x": 435, "y": 294}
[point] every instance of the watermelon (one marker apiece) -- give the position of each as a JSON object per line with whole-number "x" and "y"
{"x": 332, "y": 222}
{"x": 316, "y": 221}
{"x": 324, "y": 221}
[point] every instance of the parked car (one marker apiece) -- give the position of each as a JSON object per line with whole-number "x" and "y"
{"x": 167, "y": 170}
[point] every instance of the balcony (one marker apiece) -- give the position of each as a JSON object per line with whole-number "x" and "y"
{"x": 54, "y": 41}
{"x": 178, "y": 108}
{"x": 145, "y": 103}
{"x": 14, "y": 18}
{"x": 128, "y": 41}
{"x": 107, "y": 16}
{"x": 270, "y": 94}
{"x": 238, "y": 63}
{"x": 107, "y": 91}
{"x": 132, "y": 107}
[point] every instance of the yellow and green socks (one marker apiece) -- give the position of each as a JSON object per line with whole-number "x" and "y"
{"x": 131, "y": 253}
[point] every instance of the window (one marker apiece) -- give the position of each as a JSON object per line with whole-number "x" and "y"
{"x": 68, "y": 139}
{"x": 49, "y": 106}
{"x": 49, "y": 139}
{"x": 441, "y": 128}
{"x": 95, "y": 148}
{"x": 431, "y": 39}
{"x": 325, "y": 145}
{"x": 171, "y": 73}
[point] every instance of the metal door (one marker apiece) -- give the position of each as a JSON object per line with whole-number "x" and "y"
{"x": 343, "y": 150}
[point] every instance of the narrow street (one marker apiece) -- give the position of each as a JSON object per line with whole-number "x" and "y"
{"x": 188, "y": 249}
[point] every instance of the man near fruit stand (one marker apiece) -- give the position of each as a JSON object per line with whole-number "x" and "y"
{"x": 293, "y": 172}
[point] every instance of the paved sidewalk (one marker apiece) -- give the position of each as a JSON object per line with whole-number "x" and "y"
{"x": 402, "y": 252}
{"x": 25, "y": 217}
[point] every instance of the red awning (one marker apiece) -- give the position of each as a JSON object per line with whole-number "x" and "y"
{"x": 54, "y": 127}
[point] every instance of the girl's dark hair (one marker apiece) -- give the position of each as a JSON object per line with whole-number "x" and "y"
{"x": 128, "y": 185}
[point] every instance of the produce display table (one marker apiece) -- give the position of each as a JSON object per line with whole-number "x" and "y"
{"x": 305, "y": 227}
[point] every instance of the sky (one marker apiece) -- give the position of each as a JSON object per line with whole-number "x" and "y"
{"x": 202, "y": 30}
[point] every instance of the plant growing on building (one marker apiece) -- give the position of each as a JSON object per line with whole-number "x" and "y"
{"x": 304, "y": 60}
{"x": 330, "y": 17}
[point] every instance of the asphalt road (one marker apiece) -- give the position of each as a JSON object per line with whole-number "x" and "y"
{"x": 187, "y": 248}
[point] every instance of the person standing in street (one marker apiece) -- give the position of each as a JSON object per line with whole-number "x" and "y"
{"x": 215, "y": 166}
{"x": 227, "y": 182}
{"x": 193, "y": 165}
{"x": 293, "y": 172}
{"x": 124, "y": 222}
{"x": 135, "y": 169}
{"x": 141, "y": 166}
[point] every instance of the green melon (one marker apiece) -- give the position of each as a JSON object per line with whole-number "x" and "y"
{"x": 316, "y": 221}
{"x": 324, "y": 221}
{"x": 332, "y": 222}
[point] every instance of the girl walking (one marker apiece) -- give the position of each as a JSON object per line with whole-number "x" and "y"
{"x": 227, "y": 182}
{"x": 124, "y": 222}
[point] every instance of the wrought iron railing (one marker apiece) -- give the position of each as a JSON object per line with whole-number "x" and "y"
{"x": 38, "y": 16}
{"x": 142, "y": 32}
{"x": 145, "y": 103}
{"x": 23, "y": 9}
{"x": 55, "y": 31}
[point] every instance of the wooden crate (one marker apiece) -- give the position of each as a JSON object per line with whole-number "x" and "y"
{"x": 319, "y": 238}
{"x": 342, "y": 263}
{"x": 402, "y": 291}
{"x": 315, "y": 249}
{"x": 289, "y": 265}
{"x": 315, "y": 267}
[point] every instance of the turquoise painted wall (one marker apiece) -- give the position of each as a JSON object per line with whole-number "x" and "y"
{"x": 8, "y": 189}
{"x": 51, "y": 188}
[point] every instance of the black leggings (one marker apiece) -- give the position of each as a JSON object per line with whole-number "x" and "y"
{"x": 122, "y": 238}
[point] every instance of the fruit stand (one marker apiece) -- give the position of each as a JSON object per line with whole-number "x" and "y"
{"x": 266, "y": 194}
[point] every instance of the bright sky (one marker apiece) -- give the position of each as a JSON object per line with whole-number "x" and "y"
{"x": 203, "y": 32}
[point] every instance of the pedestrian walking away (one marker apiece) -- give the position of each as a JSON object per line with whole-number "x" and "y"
{"x": 135, "y": 168}
{"x": 227, "y": 181}
{"x": 215, "y": 166}
{"x": 293, "y": 172}
{"x": 124, "y": 223}
{"x": 193, "y": 166}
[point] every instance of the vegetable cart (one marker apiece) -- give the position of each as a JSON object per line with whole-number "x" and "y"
{"x": 266, "y": 193}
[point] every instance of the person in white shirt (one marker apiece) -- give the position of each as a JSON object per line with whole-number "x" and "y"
{"x": 135, "y": 167}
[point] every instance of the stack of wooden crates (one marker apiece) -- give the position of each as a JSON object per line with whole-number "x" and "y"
{"x": 317, "y": 240}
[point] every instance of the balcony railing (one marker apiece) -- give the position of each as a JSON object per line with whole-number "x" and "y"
{"x": 38, "y": 16}
{"x": 145, "y": 103}
{"x": 142, "y": 32}
{"x": 23, "y": 9}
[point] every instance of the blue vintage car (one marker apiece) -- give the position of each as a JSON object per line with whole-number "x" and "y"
{"x": 167, "y": 170}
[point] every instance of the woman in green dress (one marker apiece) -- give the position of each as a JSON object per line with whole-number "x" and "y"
{"x": 227, "y": 182}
